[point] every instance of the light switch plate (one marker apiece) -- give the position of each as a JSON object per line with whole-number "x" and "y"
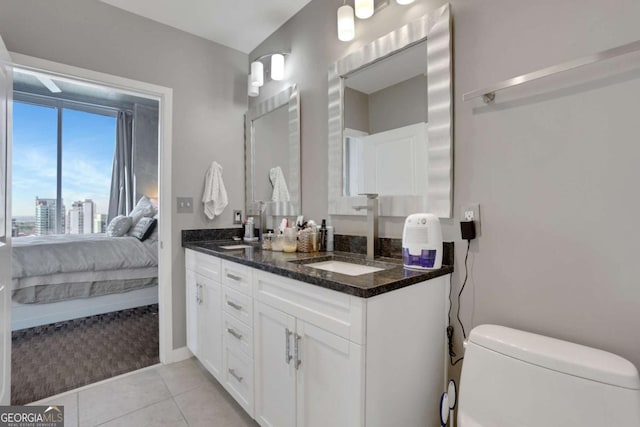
{"x": 185, "y": 204}
{"x": 471, "y": 212}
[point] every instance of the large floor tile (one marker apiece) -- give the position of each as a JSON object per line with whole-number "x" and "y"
{"x": 184, "y": 376}
{"x": 70, "y": 403}
{"x": 211, "y": 406}
{"x": 161, "y": 414}
{"x": 113, "y": 399}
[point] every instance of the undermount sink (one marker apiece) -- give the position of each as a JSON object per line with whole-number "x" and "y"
{"x": 345, "y": 265}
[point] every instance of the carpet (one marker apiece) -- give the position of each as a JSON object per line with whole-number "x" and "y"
{"x": 51, "y": 359}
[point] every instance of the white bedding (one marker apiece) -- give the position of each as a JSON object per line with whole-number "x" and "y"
{"x": 72, "y": 253}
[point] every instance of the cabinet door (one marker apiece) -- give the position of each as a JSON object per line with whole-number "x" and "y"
{"x": 275, "y": 372}
{"x": 329, "y": 383}
{"x": 210, "y": 325}
{"x": 193, "y": 298}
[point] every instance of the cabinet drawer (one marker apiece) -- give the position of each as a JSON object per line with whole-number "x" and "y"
{"x": 237, "y": 276}
{"x": 239, "y": 306}
{"x": 238, "y": 378}
{"x": 330, "y": 310}
{"x": 205, "y": 265}
{"x": 237, "y": 335}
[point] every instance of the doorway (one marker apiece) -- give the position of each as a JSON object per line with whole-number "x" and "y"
{"x": 163, "y": 97}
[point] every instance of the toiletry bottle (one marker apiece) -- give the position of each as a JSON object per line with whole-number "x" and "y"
{"x": 323, "y": 235}
{"x": 329, "y": 238}
{"x": 248, "y": 229}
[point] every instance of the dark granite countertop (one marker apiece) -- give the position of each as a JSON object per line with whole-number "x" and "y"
{"x": 393, "y": 277}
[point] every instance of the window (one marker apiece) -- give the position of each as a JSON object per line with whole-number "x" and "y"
{"x": 62, "y": 164}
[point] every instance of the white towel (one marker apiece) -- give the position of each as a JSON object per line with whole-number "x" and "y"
{"x": 280, "y": 190}
{"x": 215, "y": 195}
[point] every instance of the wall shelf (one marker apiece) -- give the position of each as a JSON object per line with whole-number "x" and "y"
{"x": 488, "y": 94}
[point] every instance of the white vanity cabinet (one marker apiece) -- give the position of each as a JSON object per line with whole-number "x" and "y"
{"x": 308, "y": 373}
{"x": 204, "y": 309}
{"x": 237, "y": 333}
{"x": 297, "y": 354}
{"x": 305, "y": 376}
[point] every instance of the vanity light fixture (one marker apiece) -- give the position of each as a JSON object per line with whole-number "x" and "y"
{"x": 277, "y": 66}
{"x": 252, "y": 89}
{"x": 256, "y": 76}
{"x": 346, "y": 23}
{"x": 364, "y": 8}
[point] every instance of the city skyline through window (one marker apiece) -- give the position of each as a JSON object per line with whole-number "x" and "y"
{"x": 87, "y": 148}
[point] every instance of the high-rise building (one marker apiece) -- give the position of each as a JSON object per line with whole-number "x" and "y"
{"x": 15, "y": 228}
{"x": 75, "y": 218}
{"x": 81, "y": 217}
{"x": 46, "y": 216}
{"x": 88, "y": 210}
{"x": 100, "y": 223}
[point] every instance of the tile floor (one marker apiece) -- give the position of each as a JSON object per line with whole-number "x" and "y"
{"x": 180, "y": 394}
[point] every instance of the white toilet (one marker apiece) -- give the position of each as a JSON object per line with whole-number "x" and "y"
{"x": 512, "y": 378}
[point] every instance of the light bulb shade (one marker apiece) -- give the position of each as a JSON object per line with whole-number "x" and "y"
{"x": 252, "y": 89}
{"x": 403, "y": 2}
{"x": 346, "y": 23}
{"x": 277, "y": 66}
{"x": 364, "y": 8}
{"x": 257, "y": 73}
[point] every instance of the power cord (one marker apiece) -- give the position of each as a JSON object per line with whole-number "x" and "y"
{"x": 452, "y": 353}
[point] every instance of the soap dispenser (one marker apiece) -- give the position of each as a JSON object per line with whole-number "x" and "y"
{"x": 249, "y": 230}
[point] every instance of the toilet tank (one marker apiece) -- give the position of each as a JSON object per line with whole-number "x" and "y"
{"x": 513, "y": 378}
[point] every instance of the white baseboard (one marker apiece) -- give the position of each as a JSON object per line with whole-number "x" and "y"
{"x": 177, "y": 355}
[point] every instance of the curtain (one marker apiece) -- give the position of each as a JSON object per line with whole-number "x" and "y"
{"x": 122, "y": 189}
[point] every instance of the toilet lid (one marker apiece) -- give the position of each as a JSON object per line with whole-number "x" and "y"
{"x": 558, "y": 355}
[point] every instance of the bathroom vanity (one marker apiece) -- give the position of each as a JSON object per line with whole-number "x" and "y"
{"x": 300, "y": 346}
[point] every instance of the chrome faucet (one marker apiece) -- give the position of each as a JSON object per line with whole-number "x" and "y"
{"x": 372, "y": 222}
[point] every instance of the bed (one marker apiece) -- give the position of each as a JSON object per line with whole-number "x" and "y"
{"x": 63, "y": 277}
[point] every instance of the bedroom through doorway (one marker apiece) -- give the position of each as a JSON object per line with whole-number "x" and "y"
{"x": 85, "y": 222}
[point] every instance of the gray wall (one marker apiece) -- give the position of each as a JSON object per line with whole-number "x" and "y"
{"x": 209, "y": 94}
{"x": 145, "y": 136}
{"x": 556, "y": 174}
{"x": 356, "y": 110}
{"x": 400, "y": 105}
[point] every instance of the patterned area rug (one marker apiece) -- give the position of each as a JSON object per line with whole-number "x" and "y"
{"x": 47, "y": 360}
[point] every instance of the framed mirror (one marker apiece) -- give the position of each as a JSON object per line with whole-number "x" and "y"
{"x": 390, "y": 121}
{"x": 272, "y": 154}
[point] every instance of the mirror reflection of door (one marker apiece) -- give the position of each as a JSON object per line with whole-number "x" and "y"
{"x": 385, "y": 119}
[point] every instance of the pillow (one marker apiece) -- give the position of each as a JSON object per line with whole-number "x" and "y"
{"x": 119, "y": 226}
{"x": 144, "y": 208}
{"x": 143, "y": 228}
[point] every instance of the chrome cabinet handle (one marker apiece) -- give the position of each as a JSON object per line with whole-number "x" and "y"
{"x": 287, "y": 346}
{"x": 234, "y": 333}
{"x": 198, "y": 290}
{"x": 232, "y": 372}
{"x": 297, "y": 351}
{"x": 234, "y": 305}
{"x": 234, "y": 277}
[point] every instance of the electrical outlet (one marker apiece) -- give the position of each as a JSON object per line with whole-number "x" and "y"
{"x": 471, "y": 212}
{"x": 237, "y": 217}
